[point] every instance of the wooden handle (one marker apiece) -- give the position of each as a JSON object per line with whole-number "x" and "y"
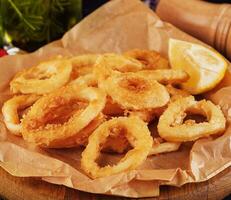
{"x": 208, "y": 22}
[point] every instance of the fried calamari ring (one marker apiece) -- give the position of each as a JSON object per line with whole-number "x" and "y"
{"x": 119, "y": 144}
{"x": 166, "y": 76}
{"x": 176, "y": 93}
{"x": 121, "y": 63}
{"x": 160, "y": 146}
{"x": 81, "y": 138}
{"x": 11, "y": 108}
{"x": 87, "y": 80}
{"x": 109, "y": 63}
{"x": 145, "y": 115}
{"x": 43, "y": 78}
{"x": 150, "y": 59}
{"x": 62, "y": 114}
{"x": 138, "y": 135}
{"x": 172, "y": 128}
{"x": 134, "y": 92}
{"x": 83, "y": 64}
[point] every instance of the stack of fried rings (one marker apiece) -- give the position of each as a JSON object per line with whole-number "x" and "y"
{"x": 107, "y": 102}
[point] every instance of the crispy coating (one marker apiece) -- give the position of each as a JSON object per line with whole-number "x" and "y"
{"x": 176, "y": 93}
{"x": 161, "y": 146}
{"x": 166, "y": 76}
{"x": 43, "y": 78}
{"x": 11, "y": 108}
{"x": 111, "y": 63}
{"x": 150, "y": 58}
{"x": 83, "y": 65}
{"x": 88, "y": 80}
{"x": 138, "y": 135}
{"x": 120, "y": 63}
{"x": 62, "y": 114}
{"x": 145, "y": 115}
{"x": 172, "y": 127}
{"x": 132, "y": 91}
{"x": 80, "y": 139}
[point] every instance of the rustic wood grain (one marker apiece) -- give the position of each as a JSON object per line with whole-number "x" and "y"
{"x": 14, "y": 188}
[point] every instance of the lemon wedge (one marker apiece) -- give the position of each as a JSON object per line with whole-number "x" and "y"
{"x": 205, "y": 66}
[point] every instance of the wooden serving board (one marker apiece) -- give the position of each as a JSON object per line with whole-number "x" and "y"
{"x": 14, "y": 188}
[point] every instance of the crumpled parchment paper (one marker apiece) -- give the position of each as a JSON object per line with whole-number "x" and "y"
{"x": 118, "y": 26}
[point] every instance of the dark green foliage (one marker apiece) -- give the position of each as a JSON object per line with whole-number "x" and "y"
{"x": 33, "y": 23}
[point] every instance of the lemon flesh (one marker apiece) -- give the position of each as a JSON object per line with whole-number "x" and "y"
{"x": 205, "y": 66}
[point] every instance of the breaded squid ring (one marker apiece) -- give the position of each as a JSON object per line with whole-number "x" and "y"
{"x": 176, "y": 93}
{"x": 83, "y": 64}
{"x": 62, "y": 114}
{"x": 10, "y": 111}
{"x": 135, "y": 92}
{"x": 121, "y": 63}
{"x": 81, "y": 138}
{"x": 88, "y": 80}
{"x": 43, "y": 78}
{"x": 150, "y": 58}
{"x": 160, "y": 146}
{"x": 145, "y": 115}
{"x": 109, "y": 63}
{"x": 138, "y": 135}
{"x": 111, "y": 108}
{"x": 166, "y": 76}
{"x": 172, "y": 128}
{"x": 119, "y": 144}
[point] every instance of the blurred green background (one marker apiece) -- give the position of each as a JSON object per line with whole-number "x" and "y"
{"x": 29, "y": 24}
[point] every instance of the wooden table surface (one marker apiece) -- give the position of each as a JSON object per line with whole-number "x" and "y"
{"x": 14, "y": 188}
